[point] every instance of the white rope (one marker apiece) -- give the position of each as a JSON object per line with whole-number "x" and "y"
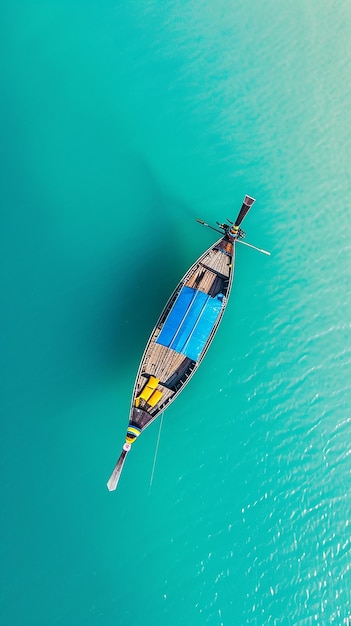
{"x": 155, "y": 456}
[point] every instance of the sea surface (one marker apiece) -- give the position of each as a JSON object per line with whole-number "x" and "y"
{"x": 122, "y": 122}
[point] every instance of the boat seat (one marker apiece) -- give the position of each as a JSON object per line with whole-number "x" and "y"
{"x": 154, "y": 398}
{"x": 148, "y": 390}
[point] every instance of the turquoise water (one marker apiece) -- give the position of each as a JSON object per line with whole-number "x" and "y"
{"x": 121, "y": 123}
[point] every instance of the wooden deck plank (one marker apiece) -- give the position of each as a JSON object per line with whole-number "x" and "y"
{"x": 161, "y": 362}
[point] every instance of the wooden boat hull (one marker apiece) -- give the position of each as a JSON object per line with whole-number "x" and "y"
{"x": 182, "y": 336}
{"x": 174, "y": 365}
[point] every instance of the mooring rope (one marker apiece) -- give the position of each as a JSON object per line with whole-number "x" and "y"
{"x": 155, "y": 455}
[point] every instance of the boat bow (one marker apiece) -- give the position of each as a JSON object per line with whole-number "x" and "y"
{"x": 114, "y": 478}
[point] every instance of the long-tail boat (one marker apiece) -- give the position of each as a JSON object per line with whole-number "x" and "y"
{"x": 184, "y": 332}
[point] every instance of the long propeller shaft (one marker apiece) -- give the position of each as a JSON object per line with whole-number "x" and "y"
{"x": 249, "y": 245}
{"x": 208, "y": 226}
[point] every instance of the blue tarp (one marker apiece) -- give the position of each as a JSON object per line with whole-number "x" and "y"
{"x": 190, "y": 321}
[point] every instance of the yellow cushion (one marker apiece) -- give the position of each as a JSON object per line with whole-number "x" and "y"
{"x": 153, "y": 382}
{"x": 146, "y": 393}
{"x": 155, "y": 397}
{"x": 148, "y": 389}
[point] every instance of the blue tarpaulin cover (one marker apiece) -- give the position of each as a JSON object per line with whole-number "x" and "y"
{"x": 190, "y": 321}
